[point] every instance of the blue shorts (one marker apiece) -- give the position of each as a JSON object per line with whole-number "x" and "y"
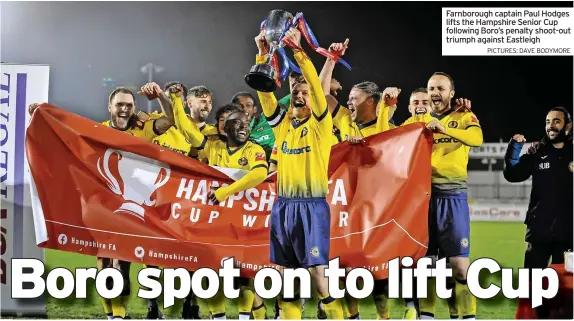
{"x": 300, "y": 232}
{"x": 449, "y": 224}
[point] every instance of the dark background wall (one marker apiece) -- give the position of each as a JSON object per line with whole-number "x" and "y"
{"x": 211, "y": 43}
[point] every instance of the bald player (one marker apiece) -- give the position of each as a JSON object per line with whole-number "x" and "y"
{"x": 455, "y": 129}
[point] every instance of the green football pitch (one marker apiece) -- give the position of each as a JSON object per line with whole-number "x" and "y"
{"x": 501, "y": 241}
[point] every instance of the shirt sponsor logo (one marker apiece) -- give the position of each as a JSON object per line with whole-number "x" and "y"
{"x": 294, "y": 151}
{"x": 445, "y": 140}
{"x": 262, "y": 138}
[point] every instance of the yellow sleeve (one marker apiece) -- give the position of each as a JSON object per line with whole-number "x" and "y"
{"x": 273, "y": 157}
{"x": 149, "y": 132}
{"x": 318, "y": 100}
{"x": 256, "y": 157}
{"x": 274, "y": 115}
{"x": 383, "y": 117}
{"x": 471, "y": 135}
{"x": 186, "y": 127}
{"x": 409, "y": 121}
{"x": 256, "y": 175}
{"x": 209, "y": 130}
{"x": 267, "y": 100}
{"x": 341, "y": 117}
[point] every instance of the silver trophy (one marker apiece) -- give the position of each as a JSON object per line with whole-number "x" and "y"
{"x": 261, "y": 77}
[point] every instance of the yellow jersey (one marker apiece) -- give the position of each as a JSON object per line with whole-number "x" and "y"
{"x": 303, "y": 146}
{"x": 424, "y": 118}
{"x": 248, "y": 156}
{"x": 172, "y": 138}
{"x": 208, "y": 130}
{"x": 342, "y": 120}
{"x": 449, "y": 157}
{"x": 138, "y": 128}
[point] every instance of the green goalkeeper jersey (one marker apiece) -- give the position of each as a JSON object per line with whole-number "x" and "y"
{"x": 262, "y": 134}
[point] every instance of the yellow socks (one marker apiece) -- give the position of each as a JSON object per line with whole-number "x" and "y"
{"x": 259, "y": 313}
{"x": 427, "y": 305}
{"x": 465, "y": 301}
{"x": 118, "y": 308}
{"x": 107, "y": 304}
{"x": 290, "y": 308}
{"x": 333, "y": 308}
{"x": 217, "y": 304}
{"x": 245, "y": 302}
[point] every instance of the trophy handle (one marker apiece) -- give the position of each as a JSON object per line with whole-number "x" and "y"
{"x": 106, "y": 174}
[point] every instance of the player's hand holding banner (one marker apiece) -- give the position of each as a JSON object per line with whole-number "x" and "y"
{"x": 113, "y": 195}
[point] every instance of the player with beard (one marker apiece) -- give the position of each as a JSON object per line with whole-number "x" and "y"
{"x": 261, "y": 132}
{"x": 455, "y": 131}
{"x": 175, "y": 141}
{"x": 300, "y": 218}
{"x": 123, "y": 117}
{"x": 549, "y": 162}
{"x": 231, "y": 149}
{"x": 200, "y": 102}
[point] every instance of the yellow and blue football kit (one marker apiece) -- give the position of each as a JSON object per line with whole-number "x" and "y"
{"x": 300, "y": 218}
{"x": 449, "y": 215}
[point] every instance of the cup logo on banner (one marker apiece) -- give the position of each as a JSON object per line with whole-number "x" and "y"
{"x": 141, "y": 177}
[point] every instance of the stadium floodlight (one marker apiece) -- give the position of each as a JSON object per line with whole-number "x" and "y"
{"x": 150, "y": 69}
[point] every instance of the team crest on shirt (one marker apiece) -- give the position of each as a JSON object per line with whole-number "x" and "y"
{"x": 452, "y": 124}
{"x": 464, "y": 242}
{"x": 242, "y": 161}
{"x": 260, "y": 129}
{"x": 315, "y": 251}
{"x": 571, "y": 167}
{"x": 304, "y": 132}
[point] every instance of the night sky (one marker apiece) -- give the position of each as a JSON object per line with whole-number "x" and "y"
{"x": 392, "y": 44}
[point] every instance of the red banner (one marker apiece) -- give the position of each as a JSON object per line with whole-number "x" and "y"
{"x": 105, "y": 193}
